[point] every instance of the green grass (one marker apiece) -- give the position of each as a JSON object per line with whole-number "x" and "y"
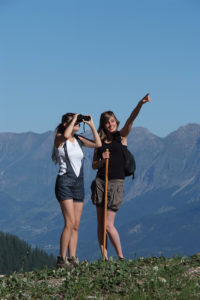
{"x": 177, "y": 278}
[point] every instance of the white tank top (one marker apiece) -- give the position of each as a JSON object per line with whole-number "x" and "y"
{"x": 75, "y": 155}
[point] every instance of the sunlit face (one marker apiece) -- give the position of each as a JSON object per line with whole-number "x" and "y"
{"x": 76, "y": 127}
{"x": 111, "y": 125}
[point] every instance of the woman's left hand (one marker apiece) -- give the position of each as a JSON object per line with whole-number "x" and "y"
{"x": 145, "y": 99}
{"x": 90, "y": 122}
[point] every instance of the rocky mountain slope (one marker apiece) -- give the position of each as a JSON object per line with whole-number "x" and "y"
{"x": 160, "y": 209}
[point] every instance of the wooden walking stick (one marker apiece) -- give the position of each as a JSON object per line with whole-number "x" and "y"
{"x": 105, "y": 206}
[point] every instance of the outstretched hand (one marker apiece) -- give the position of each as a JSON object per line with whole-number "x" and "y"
{"x": 145, "y": 99}
{"x": 128, "y": 125}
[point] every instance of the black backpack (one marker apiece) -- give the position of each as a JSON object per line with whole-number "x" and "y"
{"x": 130, "y": 164}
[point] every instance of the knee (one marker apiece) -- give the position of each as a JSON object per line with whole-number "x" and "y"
{"x": 70, "y": 224}
{"x": 109, "y": 227}
{"x": 76, "y": 226}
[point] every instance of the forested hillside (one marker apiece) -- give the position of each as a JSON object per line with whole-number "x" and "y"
{"x": 16, "y": 255}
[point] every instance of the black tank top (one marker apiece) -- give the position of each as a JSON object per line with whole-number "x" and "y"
{"x": 116, "y": 161}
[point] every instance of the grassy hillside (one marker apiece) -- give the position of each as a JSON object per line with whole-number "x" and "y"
{"x": 150, "y": 278}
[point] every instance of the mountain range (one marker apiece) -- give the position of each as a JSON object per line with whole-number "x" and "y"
{"x": 160, "y": 214}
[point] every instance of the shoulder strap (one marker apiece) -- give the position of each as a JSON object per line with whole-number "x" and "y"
{"x": 65, "y": 149}
{"x": 78, "y": 140}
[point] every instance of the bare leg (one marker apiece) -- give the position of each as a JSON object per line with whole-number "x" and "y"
{"x": 67, "y": 208}
{"x": 78, "y": 208}
{"x": 113, "y": 233}
{"x": 100, "y": 228}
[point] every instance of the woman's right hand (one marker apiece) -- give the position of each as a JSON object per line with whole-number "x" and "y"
{"x": 106, "y": 155}
{"x": 145, "y": 99}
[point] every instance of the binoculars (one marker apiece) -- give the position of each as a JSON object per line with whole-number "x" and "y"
{"x": 82, "y": 118}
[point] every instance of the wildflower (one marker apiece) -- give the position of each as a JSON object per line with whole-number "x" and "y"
{"x": 161, "y": 279}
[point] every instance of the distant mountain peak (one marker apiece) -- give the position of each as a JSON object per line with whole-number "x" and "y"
{"x": 191, "y": 128}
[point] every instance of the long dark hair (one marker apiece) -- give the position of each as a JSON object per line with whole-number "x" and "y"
{"x": 105, "y": 116}
{"x": 66, "y": 118}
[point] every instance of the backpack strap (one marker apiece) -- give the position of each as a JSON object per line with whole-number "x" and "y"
{"x": 78, "y": 140}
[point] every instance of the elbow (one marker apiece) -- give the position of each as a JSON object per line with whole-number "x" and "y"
{"x": 98, "y": 144}
{"x": 66, "y": 136}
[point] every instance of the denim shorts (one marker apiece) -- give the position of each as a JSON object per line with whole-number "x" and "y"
{"x": 69, "y": 187}
{"x": 114, "y": 193}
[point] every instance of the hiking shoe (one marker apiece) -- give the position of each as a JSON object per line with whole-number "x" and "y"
{"x": 63, "y": 262}
{"x": 73, "y": 260}
{"x": 121, "y": 258}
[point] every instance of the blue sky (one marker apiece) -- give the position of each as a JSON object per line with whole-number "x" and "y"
{"x": 88, "y": 56}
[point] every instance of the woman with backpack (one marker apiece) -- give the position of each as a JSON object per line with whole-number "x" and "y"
{"x": 114, "y": 141}
{"x": 69, "y": 189}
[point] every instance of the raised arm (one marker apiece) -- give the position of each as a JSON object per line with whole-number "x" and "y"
{"x": 87, "y": 142}
{"x": 128, "y": 125}
{"x": 61, "y": 138}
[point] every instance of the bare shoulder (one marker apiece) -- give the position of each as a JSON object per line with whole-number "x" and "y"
{"x": 59, "y": 140}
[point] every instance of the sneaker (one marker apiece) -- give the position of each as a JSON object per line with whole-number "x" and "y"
{"x": 63, "y": 262}
{"x": 73, "y": 260}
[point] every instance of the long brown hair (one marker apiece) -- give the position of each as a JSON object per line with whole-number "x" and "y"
{"x": 105, "y": 116}
{"x": 66, "y": 118}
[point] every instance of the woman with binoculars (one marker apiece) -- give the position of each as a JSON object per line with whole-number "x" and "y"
{"x": 69, "y": 187}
